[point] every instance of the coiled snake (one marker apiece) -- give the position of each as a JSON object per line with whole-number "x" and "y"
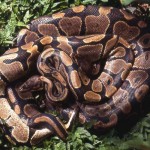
{"x": 94, "y": 58}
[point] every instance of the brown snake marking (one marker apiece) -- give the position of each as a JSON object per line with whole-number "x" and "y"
{"x": 92, "y": 58}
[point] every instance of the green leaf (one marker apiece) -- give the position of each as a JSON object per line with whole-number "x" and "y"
{"x": 27, "y": 16}
{"x": 21, "y": 24}
{"x": 104, "y": 0}
{"x": 88, "y": 146}
{"x": 126, "y": 2}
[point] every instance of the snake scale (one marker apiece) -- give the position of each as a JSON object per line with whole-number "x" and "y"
{"x": 93, "y": 58}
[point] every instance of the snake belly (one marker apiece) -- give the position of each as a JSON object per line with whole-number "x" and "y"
{"x": 97, "y": 56}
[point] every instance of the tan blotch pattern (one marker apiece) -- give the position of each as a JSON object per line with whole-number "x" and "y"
{"x": 15, "y": 67}
{"x": 71, "y": 26}
{"x": 78, "y": 9}
{"x": 117, "y": 66}
{"x": 137, "y": 77}
{"x": 98, "y": 110}
{"x": 51, "y": 123}
{"x": 141, "y": 92}
{"x": 125, "y": 43}
{"x": 64, "y": 45}
{"x": 58, "y": 15}
{"x": 96, "y": 24}
{"x": 34, "y": 53}
{"x": 11, "y": 96}
{"x": 20, "y": 131}
{"x": 48, "y": 29}
{"x": 118, "y": 52}
{"x": 27, "y": 46}
{"x": 47, "y": 53}
{"x": 108, "y": 82}
{"x": 40, "y": 135}
{"x": 10, "y": 51}
{"x": 97, "y": 86}
{"x": 17, "y": 109}
{"x": 142, "y": 61}
{"x": 109, "y": 45}
{"x": 94, "y": 38}
{"x": 65, "y": 59}
{"x": 46, "y": 40}
{"x": 90, "y": 52}
{"x": 105, "y": 10}
{"x": 75, "y": 79}
{"x": 121, "y": 100}
{"x": 31, "y": 36}
{"x": 113, "y": 119}
{"x": 125, "y": 31}
{"x": 92, "y": 96}
{"x": 94, "y": 46}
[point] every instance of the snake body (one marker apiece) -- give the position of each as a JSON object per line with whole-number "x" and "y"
{"x": 95, "y": 56}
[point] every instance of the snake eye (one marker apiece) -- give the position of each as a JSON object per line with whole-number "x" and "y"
{"x": 32, "y": 84}
{"x": 146, "y": 56}
{"x": 95, "y": 69}
{"x": 108, "y": 82}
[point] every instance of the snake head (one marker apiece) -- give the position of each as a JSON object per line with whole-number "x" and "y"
{"x": 34, "y": 83}
{"x": 53, "y": 75}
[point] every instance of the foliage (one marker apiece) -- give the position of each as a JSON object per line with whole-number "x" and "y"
{"x": 16, "y": 14}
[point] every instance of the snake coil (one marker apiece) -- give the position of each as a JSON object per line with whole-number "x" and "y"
{"x": 94, "y": 57}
